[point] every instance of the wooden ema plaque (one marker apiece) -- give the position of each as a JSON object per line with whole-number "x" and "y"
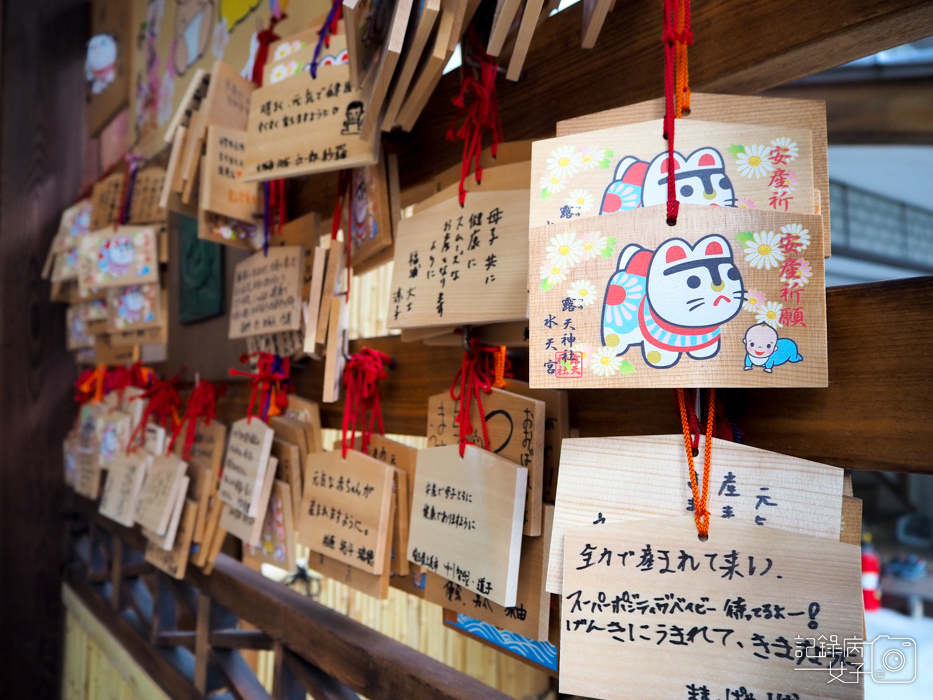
{"x": 208, "y": 446}
{"x": 245, "y": 464}
{"x": 312, "y": 125}
{"x": 515, "y": 425}
{"x": 621, "y": 479}
{"x": 752, "y": 611}
{"x": 458, "y": 265}
{"x": 147, "y": 189}
{"x": 345, "y": 509}
{"x": 625, "y": 167}
{"x": 109, "y": 259}
{"x": 277, "y": 539}
{"x": 174, "y": 561}
{"x": 466, "y": 520}
{"x": 530, "y": 615}
{"x": 246, "y": 528}
{"x": 373, "y": 585}
{"x": 125, "y": 476}
{"x": 222, "y": 190}
{"x": 167, "y": 541}
{"x": 267, "y": 293}
{"x": 733, "y": 109}
{"x": 160, "y": 493}
{"x": 726, "y": 298}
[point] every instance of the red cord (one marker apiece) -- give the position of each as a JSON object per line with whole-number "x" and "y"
{"x": 482, "y": 115}
{"x": 473, "y": 382}
{"x": 271, "y": 384}
{"x": 162, "y": 406}
{"x": 669, "y": 37}
{"x": 201, "y": 404}
{"x": 361, "y": 378}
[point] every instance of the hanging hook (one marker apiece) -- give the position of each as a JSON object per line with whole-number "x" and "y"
{"x": 467, "y": 345}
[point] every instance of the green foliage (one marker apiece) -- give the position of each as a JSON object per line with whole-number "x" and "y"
{"x": 735, "y": 149}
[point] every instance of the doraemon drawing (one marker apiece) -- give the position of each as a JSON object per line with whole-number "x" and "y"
{"x": 672, "y": 300}
{"x": 700, "y": 179}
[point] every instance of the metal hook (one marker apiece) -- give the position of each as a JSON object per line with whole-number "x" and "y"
{"x": 467, "y": 345}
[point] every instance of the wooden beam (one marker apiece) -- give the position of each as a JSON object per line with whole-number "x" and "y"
{"x": 314, "y": 681}
{"x": 169, "y": 678}
{"x": 202, "y": 647}
{"x": 874, "y": 415}
{"x": 240, "y": 639}
{"x": 241, "y": 681}
{"x": 361, "y": 658}
{"x": 871, "y": 111}
{"x": 740, "y": 47}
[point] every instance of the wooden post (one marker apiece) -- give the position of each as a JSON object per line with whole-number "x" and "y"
{"x": 202, "y": 648}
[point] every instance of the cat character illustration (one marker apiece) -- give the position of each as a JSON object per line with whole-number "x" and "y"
{"x": 700, "y": 177}
{"x": 134, "y": 306}
{"x": 117, "y": 257}
{"x": 764, "y": 349}
{"x": 673, "y": 300}
{"x": 100, "y": 66}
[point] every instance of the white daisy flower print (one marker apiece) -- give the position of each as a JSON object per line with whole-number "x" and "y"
{"x": 762, "y": 251}
{"x": 566, "y": 161}
{"x": 753, "y": 300}
{"x": 583, "y": 292}
{"x": 585, "y": 351}
{"x": 551, "y": 275}
{"x": 565, "y": 250}
{"x": 770, "y": 313}
{"x": 753, "y": 162}
{"x": 605, "y": 362}
{"x": 591, "y": 156}
{"x": 593, "y": 244}
{"x": 552, "y": 183}
{"x": 580, "y": 201}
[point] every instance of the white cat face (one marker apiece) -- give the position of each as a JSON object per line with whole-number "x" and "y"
{"x": 700, "y": 178}
{"x": 101, "y": 52}
{"x": 695, "y": 286}
{"x": 134, "y": 299}
{"x": 122, "y": 251}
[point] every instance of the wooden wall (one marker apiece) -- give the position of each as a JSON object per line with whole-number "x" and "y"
{"x": 41, "y": 155}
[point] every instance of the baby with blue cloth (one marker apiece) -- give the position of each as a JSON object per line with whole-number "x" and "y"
{"x": 764, "y": 349}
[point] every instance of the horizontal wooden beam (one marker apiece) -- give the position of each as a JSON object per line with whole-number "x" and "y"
{"x": 874, "y": 415}
{"x": 240, "y": 639}
{"x": 361, "y": 658}
{"x": 740, "y": 47}
{"x": 871, "y": 111}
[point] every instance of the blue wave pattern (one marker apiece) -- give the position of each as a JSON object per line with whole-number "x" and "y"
{"x": 543, "y": 653}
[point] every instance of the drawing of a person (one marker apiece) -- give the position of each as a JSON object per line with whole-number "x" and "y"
{"x": 353, "y": 120}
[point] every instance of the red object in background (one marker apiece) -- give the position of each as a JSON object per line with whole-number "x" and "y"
{"x": 871, "y": 578}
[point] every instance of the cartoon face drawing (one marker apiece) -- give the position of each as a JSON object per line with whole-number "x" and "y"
{"x": 672, "y": 300}
{"x": 118, "y": 256}
{"x": 360, "y": 226}
{"x": 700, "y": 178}
{"x": 353, "y": 120}
{"x": 133, "y": 306}
{"x": 763, "y": 348}
{"x": 100, "y": 64}
{"x": 193, "y": 27}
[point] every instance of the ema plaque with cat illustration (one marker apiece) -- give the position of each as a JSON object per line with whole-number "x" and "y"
{"x": 727, "y": 298}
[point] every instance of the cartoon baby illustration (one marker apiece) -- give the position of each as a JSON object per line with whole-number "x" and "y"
{"x": 764, "y": 349}
{"x": 100, "y": 66}
{"x": 109, "y": 443}
{"x": 117, "y": 257}
{"x": 353, "y": 120}
{"x": 673, "y": 300}
{"x": 700, "y": 179}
